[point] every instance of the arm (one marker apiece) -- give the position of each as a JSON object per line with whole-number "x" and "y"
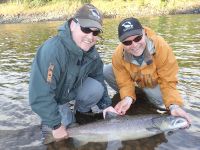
{"x": 45, "y": 74}
{"x": 124, "y": 82}
{"x": 122, "y": 76}
{"x": 167, "y": 69}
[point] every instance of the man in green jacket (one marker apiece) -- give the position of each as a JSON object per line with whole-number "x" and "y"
{"x": 68, "y": 67}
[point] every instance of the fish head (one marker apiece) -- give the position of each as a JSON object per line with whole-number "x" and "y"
{"x": 170, "y": 123}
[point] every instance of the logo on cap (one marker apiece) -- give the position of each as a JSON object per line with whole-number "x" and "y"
{"x": 95, "y": 13}
{"x": 127, "y": 26}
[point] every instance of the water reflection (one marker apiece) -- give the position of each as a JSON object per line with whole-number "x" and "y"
{"x": 18, "y": 45}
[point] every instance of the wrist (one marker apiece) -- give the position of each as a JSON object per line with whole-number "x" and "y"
{"x": 56, "y": 126}
{"x": 173, "y": 107}
{"x": 129, "y": 99}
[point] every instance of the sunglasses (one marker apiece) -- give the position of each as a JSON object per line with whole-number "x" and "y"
{"x": 87, "y": 30}
{"x": 137, "y": 39}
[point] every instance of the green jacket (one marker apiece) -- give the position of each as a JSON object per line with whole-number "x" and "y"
{"x": 59, "y": 67}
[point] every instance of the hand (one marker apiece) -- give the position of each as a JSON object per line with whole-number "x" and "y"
{"x": 60, "y": 133}
{"x": 180, "y": 112}
{"x": 111, "y": 109}
{"x": 124, "y": 105}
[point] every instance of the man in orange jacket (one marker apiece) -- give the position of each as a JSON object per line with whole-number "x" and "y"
{"x": 144, "y": 59}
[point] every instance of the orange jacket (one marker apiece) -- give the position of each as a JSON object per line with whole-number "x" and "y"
{"x": 162, "y": 70}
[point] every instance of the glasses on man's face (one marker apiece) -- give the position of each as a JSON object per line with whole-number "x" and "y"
{"x": 129, "y": 42}
{"x": 88, "y": 30}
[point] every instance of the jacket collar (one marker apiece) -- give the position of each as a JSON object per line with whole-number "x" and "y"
{"x": 148, "y": 52}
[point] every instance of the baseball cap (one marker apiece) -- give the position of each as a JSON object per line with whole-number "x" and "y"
{"x": 89, "y": 16}
{"x": 129, "y": 27}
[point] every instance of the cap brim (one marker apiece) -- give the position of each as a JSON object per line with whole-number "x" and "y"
{"x": 89, "y": 23}
{"x": 130, "y": 33}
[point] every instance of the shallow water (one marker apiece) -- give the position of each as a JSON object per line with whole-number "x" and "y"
{"x": 18, "y": 42}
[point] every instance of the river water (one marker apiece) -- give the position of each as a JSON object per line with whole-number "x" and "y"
{"x": 19, "y": 126}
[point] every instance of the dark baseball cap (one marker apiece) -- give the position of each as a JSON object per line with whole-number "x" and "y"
{"x": 129, "y": 27}
{"x": 89, "y": 16}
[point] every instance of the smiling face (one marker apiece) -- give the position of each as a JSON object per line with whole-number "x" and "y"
{"x": 84, "y": 40}
{"x": 136, "y": 48}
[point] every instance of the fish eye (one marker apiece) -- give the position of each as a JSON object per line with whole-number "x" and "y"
{"x": 179, "y": 121}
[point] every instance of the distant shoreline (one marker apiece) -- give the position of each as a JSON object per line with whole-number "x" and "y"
{"x": 61, "y": 16}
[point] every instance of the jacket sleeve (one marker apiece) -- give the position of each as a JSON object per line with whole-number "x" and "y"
{"x": 167, "y": 69}
{"x": 44, "y": 75}
{"x": 122, "y": 76}
{"x": 98, "y": 75}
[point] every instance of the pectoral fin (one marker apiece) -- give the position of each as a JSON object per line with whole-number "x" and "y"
{"x": 153, "y": 129}
{"x": 110, "y": 115}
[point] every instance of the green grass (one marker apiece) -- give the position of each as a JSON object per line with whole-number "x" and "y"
{"x": 111, "y": 8}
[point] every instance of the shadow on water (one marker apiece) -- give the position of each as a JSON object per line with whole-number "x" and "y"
{"x": 23, "y": 139}
{"x": 142, "y": 106}
{"x": 146, "y": 144}
{"x": 29, "y": 138}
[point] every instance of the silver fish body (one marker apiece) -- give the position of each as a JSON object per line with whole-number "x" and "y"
{"x": 126, "y": 128}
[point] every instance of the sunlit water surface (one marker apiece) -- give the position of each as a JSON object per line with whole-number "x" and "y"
{"x": 18, "y": 42}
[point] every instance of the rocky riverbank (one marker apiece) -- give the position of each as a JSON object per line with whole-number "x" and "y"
{"x": 61, "y": 15}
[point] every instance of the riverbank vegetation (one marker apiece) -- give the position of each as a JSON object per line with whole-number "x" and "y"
{"x": 39, "y": 10}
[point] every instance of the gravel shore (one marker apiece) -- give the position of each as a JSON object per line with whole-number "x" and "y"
{"x": 54, "y": 16}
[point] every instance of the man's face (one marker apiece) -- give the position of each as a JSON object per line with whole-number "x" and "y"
{"x": 85, "y": 38}
{"x": 135, "y": 45}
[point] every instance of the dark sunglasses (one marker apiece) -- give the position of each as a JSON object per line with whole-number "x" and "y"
{"x": 137, "y": 39}
{"x": 88, "y": 30}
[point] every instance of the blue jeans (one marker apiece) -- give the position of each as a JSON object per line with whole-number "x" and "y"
{"x": 88, "y": 95}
